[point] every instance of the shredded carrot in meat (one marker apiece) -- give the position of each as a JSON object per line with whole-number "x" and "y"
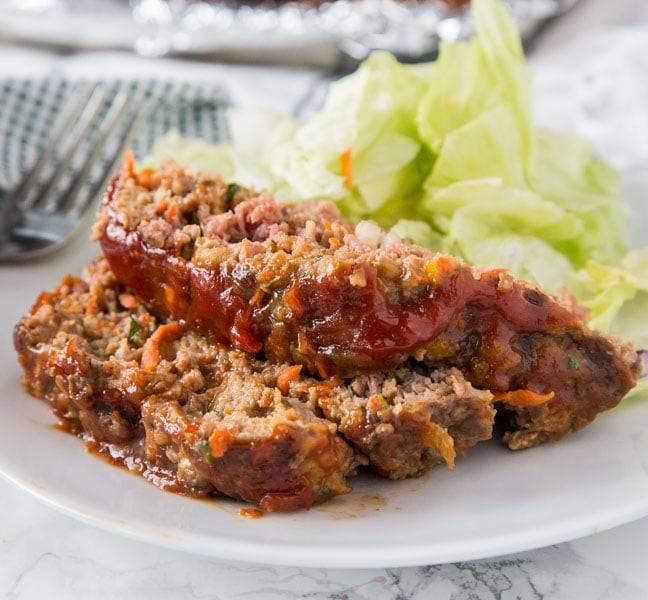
{"x": 374, "y": 404}
{"x": 144, "y": 178}
{"x": 146, "y": 319}
{"x": 257, "y": 298}
{"x": 523, "y": 397}
{"x": 44, "y": 299}
{"x": 444, "y": 264}
{"x": 172, "y": 212}
{"x": 437, "y": 437}
{"x": 325, "y": 387}
{"x": 346, "y": 159}
{"x": 218, "y": 442}
{"x": 91, "y": 305}
{"x": 377, "y": 402}
{"x": 294, "y": 302}
{"x": 128, "y": 168}
{"x": 492, "y": 273}
{"x": 288, "y": 375}
{"x": 151, "y": 355}
{"x": 266, "y": 274}
{"x": 71, "y": 347}
{"x": 192, "y": 428}
{"x": 161, "y": 205}
{"x": 128, "y": 300}
{"x": 266, "y": 401}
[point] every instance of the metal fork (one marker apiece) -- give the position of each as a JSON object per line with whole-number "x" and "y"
{"x": 83, "y": 152}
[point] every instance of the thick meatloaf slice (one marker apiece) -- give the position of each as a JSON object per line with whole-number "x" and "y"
{"x": 301, "y": 284}
{"x": 190, "y": 415}
{"x": 196, "y": 416}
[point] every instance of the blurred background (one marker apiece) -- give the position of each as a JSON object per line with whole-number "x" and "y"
{"x": 307, "y": 32}
{"x": 281, "y": 55}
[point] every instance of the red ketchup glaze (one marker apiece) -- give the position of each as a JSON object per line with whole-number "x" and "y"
{"x": 358, "y": 326}
{"x": 263, "y": 475}
{"x": 328, "y": 324}
{"x": 200, "y": 298}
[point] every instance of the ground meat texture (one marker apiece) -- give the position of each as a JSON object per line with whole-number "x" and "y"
{"x": 200, "y": 418}
{"x": 406, "y": 421}
{"x": 302, "y": 285}
{"x": 171, "y": 413}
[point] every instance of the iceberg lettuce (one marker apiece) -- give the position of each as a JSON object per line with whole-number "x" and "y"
{"x": 446, "y": 154}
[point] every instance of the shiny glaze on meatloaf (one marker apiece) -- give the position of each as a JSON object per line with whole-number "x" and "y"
{"x": 195, "y": 416}
{"x": 299, "y": 284}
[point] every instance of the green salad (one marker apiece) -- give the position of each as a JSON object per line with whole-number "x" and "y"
{"x": 446, "y": 154}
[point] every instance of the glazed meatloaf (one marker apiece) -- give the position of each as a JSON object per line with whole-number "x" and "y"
{"x": 297, "y": 283}
{"x": 195, "y": 416}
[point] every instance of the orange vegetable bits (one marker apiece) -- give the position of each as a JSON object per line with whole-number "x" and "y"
{"x": 151, "y": 353}
{"x": 128, "y": 301}
{"x": 523, "y": 397}
{"x": 288, "y": 375}
{"x": 128, "y": 168}
{"x": 144, "y": 178}
{"x": 219, "y": 440}
{"x": 346, "y": 160}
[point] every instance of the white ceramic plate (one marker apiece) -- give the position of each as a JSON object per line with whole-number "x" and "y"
{"x": 495, "y": 501}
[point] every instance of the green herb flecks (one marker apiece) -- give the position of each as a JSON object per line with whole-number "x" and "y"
{"x": 572, "y": 362}
{"x": 204, "y": 449}
{"x": 134, "y": 330}
{"x": 232, "y": 189}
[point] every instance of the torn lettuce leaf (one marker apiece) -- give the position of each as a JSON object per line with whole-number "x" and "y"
{"x": 446, "y": 154}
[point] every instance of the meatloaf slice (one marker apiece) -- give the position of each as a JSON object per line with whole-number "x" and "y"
{"x": 407, "y": 421}
{"x": 189, "y": 415}
{"x": 201, "y": 418}
{"x": 301, "y": 284}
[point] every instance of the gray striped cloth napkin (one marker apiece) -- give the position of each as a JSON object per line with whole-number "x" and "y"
{"x": 29, "y": 108}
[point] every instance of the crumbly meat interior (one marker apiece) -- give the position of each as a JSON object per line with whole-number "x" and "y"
{"x": 298, "y": 283}
{"x": 409, "y": 420}
{"x": 231, "y": 345}
{"x": 195, "y": 416}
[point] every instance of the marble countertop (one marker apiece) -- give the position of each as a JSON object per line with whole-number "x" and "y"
{"x": 46, "y": 554}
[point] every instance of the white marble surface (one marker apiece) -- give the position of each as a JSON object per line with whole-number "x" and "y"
{"x": 44, "y": 554}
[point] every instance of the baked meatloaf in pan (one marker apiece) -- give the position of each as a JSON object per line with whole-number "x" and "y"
{"x": 195, "y": 416}
{"x": 298, "y": 284}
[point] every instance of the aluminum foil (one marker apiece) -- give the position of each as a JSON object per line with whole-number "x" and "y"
{"x": 411, "y": 30}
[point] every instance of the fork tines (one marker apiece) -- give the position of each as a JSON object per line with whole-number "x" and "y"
{"x": 92, "y": 131}
{"x": 83, "y": 152}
